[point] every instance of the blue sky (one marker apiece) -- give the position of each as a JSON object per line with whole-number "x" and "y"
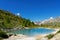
{"x": 34, "y": 10}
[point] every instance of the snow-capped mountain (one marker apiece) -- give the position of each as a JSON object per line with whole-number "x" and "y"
{"x": 50, "y": 20}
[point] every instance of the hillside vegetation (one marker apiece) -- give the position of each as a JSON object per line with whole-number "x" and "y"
{"x": 9, "y": 20}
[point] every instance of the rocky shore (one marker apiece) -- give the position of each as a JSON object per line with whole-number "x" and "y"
{"x": 38, "y": 37}
{"x": 24, "y": 37}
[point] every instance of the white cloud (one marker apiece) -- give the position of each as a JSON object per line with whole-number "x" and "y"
{"x": 18, "y": 14}
{"x": 51, "y": 17}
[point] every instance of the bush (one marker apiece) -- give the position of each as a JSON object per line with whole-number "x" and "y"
{"x": 50, "y": 36}
{"x": 0, "y": 38}
{"x": 3, "y": 35}
{"x": 58, "y": 31}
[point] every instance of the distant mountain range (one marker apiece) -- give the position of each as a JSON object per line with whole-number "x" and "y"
{"x": 51, "y": 20}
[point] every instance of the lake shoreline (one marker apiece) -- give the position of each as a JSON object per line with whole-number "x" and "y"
{"x": 32, "y": 38}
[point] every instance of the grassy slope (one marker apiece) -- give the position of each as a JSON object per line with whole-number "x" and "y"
{"x": 9, "y": 20}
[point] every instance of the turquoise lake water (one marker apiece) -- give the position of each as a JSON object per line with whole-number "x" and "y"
{"x": 33, "y": 31}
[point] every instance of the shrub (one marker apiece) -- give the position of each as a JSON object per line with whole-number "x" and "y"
{"x": 3, "y": 35}
{"x": 50, "y": 36}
